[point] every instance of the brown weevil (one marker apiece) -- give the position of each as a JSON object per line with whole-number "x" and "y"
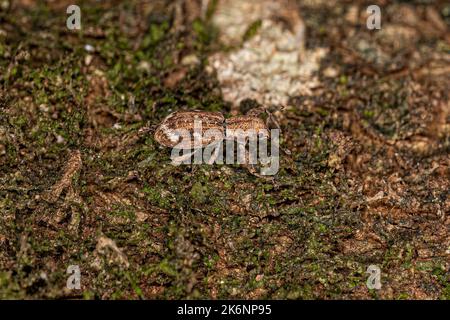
{"x": 180, "y": 130}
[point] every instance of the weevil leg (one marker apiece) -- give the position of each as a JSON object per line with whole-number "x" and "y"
{"x": 215, "y": 155}
{"x": 272, "y": 119}
{"x": 253, "y": 170}
{"x": 180, "y": 159}
{"x": 147, "y": 129}
{"x": 246, "y": 153}
{"x": 243, "y": 151}
{"x": 251, "y": 167}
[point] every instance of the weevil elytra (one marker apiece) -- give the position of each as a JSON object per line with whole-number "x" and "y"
{"x": 170, "y": 132}
{"x": 178, "y": 130}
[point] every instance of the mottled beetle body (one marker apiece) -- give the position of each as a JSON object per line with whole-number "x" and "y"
{"x": 181, "y": 131}
{"x": 177, "y": 129}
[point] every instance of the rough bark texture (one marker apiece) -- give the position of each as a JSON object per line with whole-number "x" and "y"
{"x": 366, "y": 181}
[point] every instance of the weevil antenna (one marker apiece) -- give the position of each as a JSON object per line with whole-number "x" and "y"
{"x": 272, "y": 118}
{"x": 148, "y": 129}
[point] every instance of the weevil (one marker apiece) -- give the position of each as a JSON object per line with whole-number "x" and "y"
{"x": 178, "y": 130}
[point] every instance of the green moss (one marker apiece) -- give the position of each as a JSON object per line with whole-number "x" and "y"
{"x": 126, "y": 213}
{"x": 252, "y": 30}
{"x": 194, "y": 231}
{"x": 155, "y": 196}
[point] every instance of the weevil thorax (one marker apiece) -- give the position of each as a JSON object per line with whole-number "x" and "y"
{"x": 246, "y": 125}
{"x": 180, "y": 129}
